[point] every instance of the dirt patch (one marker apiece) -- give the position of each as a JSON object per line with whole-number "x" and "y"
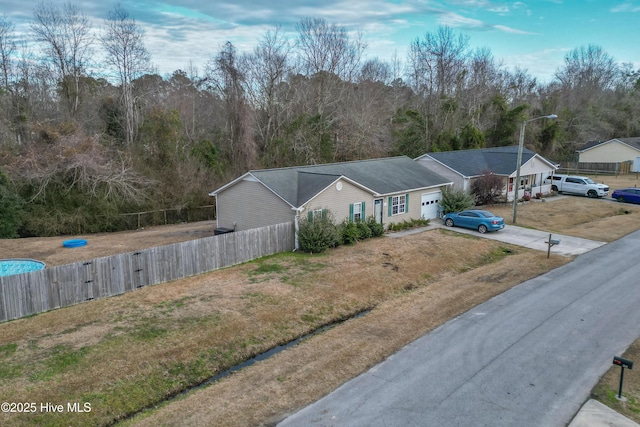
{"x": 50, "y": 250}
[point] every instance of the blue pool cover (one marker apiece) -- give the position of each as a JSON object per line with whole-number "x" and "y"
{"x": 9, "y": 267}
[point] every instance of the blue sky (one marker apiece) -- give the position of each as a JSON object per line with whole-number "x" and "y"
{"x": 533, "y": 35}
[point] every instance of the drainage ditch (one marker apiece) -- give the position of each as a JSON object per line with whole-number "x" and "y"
{"x": 262, "y": 356}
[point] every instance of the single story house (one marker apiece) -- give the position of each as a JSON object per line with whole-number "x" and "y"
{"x": 391, "y": 189}
{"x": 463, "y": 167}
{"x": 616, "y": 150}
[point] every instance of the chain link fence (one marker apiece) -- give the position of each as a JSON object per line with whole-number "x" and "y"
{"x": 139, "y": 220}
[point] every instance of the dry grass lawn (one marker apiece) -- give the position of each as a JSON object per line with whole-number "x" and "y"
{"x": 50, "y": 250}
{"x": 575, "y": 216}
{"x": 129, "y": 352}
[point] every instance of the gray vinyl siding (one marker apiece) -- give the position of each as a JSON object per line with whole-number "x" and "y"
{"x": 610, "y": 152}
{"x": 338, "y": 201}
{"x": 249, "y": 204}
{"x": 440, "y": 169}
{"x": 414, "y": 211}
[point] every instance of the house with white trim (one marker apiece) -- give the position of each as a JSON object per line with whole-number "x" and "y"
{"x": 391, "y": 189}
{"x": 616, "y": 150}
{"x": 463, "y": 167}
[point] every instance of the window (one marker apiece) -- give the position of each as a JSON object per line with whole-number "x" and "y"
{"x": 357, "y": 212}
{"x": 316, "y": 215}
{"x": 398, "y": 205}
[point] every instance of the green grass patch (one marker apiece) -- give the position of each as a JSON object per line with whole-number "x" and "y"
{"x": 288, "y": 267}
{"x": 609, "y": 396}
{"x": 168, "y": 307}
{"x": 496, "y": 255}
{"x": 265, "y": 268}
{"x": 10, "y": 370}
{"x": 256, "y": 298}
{"x": 456, "y": 234}
{"x": 148, "y": 331}
{"x": 62, "y": 358}
{"x": 8, "y": 349}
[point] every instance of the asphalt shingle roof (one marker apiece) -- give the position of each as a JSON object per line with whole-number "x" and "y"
{"x": 499, "y": 160}
{"x": 299, "y": 184}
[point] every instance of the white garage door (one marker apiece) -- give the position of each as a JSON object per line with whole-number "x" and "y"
{"x": 431, "y": 204}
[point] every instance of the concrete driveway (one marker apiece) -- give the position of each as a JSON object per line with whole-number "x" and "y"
{"x": 535, "y": 239}
{"x": 520, "y": 236}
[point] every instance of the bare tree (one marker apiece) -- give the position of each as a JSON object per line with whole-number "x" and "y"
{"x": 123, "y": 42}
{"x": 330, "y": 56}
{"x": 483, "y": 82}
{"x": 437, "y": 68}
{"x": 266, "y": 71}
{"x": 588, "y": 68}
{"x": 519, "y": 86}
{"x": 66, "y": 37}
{"x": 16, "y": 67}
{"x": 437, "y": 61}
{"x": 375, "y": 70}
{"x": 229, "y": 79}
{"x": 329, "y": 48}
{"x": 585, "y": 85}
{"x": 7, "y": 51}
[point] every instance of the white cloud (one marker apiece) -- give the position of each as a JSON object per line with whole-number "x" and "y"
{"x": 454, "y": 20}
{"x": 625, "y": 7}
{"x": 510, "y": 30}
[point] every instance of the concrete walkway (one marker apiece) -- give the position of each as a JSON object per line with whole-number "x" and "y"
{"x": 595, "y": 414}
{"x": 520, "y": 236}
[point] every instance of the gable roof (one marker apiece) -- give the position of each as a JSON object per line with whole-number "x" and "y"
{"x": 299, "y": 184}
{"x": 469, "y": 163}
{"x": 632, "y": 142}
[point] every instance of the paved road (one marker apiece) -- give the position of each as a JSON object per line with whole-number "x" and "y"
{"x": 528, "y": 357}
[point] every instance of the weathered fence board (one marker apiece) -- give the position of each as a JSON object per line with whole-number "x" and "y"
{"x": 595, "y": 168}
{"x": 30, "y": 293}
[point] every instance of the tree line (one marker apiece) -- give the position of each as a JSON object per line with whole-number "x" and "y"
{"x": 85, "y": 138}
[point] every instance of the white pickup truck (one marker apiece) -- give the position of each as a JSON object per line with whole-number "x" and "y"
{"x": 581, "y": 185}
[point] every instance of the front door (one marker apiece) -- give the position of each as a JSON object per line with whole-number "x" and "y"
{"x": 377, "y": 210}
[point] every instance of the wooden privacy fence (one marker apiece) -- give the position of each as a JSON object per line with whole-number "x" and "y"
{"x": 30, "y": 293}
{"x": 595, "y": 168}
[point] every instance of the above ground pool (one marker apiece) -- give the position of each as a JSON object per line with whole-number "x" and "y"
{"x": 9, "y": 267}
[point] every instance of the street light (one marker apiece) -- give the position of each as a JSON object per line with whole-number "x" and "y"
{"x": 520, "y": 145}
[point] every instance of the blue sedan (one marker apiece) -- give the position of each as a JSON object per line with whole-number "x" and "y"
{"x": 480, "y": 220}
{"x": 629, "y": 195}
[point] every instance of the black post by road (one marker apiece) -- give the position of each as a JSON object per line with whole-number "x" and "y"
{"x": 621, "y": 380}
{"x": 623, "y": 363}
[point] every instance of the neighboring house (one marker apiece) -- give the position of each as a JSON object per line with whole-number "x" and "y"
{"x": 463, "y": 167}
{"x": 390, "y": 189}
{"x": 617, "y": 150}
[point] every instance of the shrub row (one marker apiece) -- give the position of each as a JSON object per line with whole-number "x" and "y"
{"x": 408, "y": 224}
{"x": 320, "y": 234}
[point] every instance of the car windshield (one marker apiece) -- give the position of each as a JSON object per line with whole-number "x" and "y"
{"x": 486, "y": 214}
{"x": 589, "y": 181}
